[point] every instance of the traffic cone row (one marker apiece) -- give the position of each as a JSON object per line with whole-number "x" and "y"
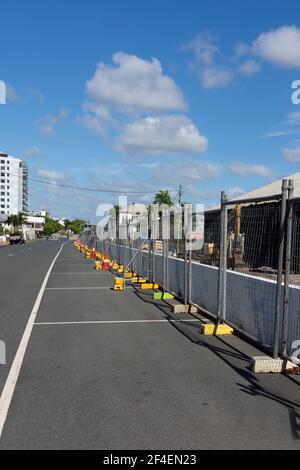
{"x": 104, "y": 263}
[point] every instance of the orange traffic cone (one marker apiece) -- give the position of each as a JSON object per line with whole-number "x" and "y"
{"x": 105, "y": 264}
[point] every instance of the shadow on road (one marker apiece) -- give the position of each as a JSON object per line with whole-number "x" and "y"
{"x": 239, "y": 362}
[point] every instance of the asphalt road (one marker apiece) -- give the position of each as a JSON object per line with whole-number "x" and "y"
{"x": 22, "y": 270}
{"x": 106, "y": 370}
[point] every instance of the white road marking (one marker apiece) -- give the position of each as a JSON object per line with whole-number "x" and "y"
{"x": 83, "y": 273}
{"x": 111, "y": 322}
{"x": 11, "y": 381}
{"x": 81, "y": 288}
{"x": 81, "y": 264}
{"x": 12, "y": 254}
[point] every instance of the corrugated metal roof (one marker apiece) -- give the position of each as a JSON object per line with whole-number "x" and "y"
{"x": 271, "y": 189}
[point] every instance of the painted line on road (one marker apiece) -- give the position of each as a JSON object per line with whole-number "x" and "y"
{"x": 83, "y": 273}
{"x": 113, "y": 322}
{"x": 68, "y": 265}
{"x": 11, "y": 381}
{"x": 82, "y": 288}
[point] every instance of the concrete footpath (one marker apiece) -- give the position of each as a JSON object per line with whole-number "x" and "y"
{"x": 107, "y": 370}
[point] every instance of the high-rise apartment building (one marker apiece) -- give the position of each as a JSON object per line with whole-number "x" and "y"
{"x": 13, "y": 185}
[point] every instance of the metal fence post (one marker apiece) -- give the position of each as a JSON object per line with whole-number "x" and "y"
{"x": 190, "y": 273}
{"x": 167, "y": 266}
{"x": 149, "y": 260}
{"x": 164, "y": 264}
{"x": 279, "y": 268}
{"x": 287, "y": 270}
{"x": 153, "y": 261}
{"x": 222, "y": 260}
{"x": 185, "y": 274}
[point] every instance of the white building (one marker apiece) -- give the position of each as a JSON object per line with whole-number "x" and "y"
{"x": 33, "y": 226}
{"x": 13, "y": 185}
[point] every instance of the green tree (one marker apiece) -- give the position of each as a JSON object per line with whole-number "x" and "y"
{"x": 163, "y": 197}
{"x": 51, "y": 226}
{"x": 16, "y": 220}
{"x": 74, "y": 225}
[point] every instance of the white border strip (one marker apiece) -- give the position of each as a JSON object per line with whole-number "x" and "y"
{"x": 79, "y": 288}
{"x": 112, "y": 322}
{"x": 87, "y": 273}
{"x": 11, "y": 381}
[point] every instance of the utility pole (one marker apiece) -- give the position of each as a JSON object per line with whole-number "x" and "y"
{"x": 180, "y": 194}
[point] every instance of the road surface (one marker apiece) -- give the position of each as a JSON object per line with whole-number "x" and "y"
{"x": 106, "y": 370}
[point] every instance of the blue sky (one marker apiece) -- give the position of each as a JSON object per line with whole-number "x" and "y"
{"x": 138, "y": 95}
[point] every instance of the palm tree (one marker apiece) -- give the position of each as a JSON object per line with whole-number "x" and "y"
{"x": 16, "y": 220}
{"x": 163, "y": 198}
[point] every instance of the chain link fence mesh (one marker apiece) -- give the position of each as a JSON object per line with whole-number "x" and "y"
{"x": 252, "y": 246}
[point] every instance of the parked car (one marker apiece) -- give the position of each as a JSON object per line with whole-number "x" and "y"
{"x": 16, "y": 239}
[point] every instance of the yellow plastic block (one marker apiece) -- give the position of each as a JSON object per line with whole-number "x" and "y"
{"x": 134, "y": 279}
{"x": 149, "y": 286}
{"x": 119, "y": 284}
{"x": 141, "y": 280}
{"x": 128, "y": 275}
{"x": 210, "y": 329}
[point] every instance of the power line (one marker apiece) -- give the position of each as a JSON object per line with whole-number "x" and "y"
{"x": 80, "y": 188}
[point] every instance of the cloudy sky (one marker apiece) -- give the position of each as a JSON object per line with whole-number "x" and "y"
{"x": 141, "y": 96}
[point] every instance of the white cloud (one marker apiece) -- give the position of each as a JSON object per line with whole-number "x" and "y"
{"x": 241, "y": 49}
{"x": 168, "y": 134}
{"x": 208, "y": 61}
{"x": 249, "y": 67}
{"x": 292, "y": 154}
{"x": 245, "y": 169}
{"x": 203, "y": 47}
{"x": 11, "y": 93}
{"x": 280, "y": 46}
{"x": 47, "y": 124}
{"x": 134, "y": 84}
{"x": 37, "y": 94}
{"x": 293, "y": 118}
{"x": 234, "y": 191}
{"x": 216, "y": 77}
{"x": 32, "y": 151}
{"x": 96, "y": 117}
{"x": 51, "y": 175}
{"x": 270, "y": 135}
{"x": 187, "y": 171}
{"x": 92, "y": 123}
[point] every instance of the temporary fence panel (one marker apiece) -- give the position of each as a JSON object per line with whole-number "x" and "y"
{"x": 239, "y": 272}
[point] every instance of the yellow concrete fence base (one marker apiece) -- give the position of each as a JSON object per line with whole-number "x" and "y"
{"x": 210, "y": 329}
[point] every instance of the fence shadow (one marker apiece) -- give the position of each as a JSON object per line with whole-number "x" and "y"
{"x": 234, "y": 358}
